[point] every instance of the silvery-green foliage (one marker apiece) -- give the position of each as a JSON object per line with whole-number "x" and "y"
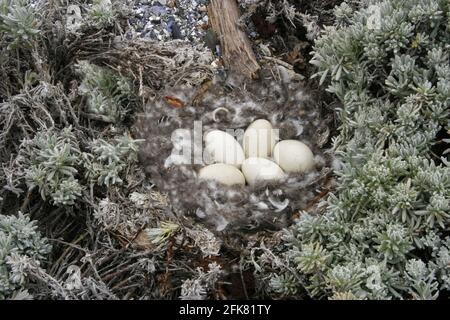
{"x": 83, "y": 16}
{"x": 192, "y": 289}
{"x": 423, "y": 281}
{"x": 440, "y": 263}
{"x": 343, "y": 13}
{"x": 21, "y": 295}
{"x": 18, "y": 23}
{"x": 105, "y": 92}
{"x": 281, "y": 8}
{"x": 198, "y": 287}
{"x": 205, "y": 240}
{"x": 383, "y": 232}
{"x": 51, "y": 162}
{"x": 161, "y": 234}
{"x": 106, "y": 161}
{"x": 447, "y": 141}
{"x": 54, "y": 163}
{"x": 20, "y": 243}
{"x": 283, "y": 284}
{"x": 102, "y": 13}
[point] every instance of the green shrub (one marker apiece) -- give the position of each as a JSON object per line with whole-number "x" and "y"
{"x": 384, "y": 233}
{"x": 106, "y": 161}
{"x": 54, "y": 162}
{"x": 105, "y": 92}
{"x": 102, "y": 13}
{"x": 50, "y": 161}
{"x": 20, "y": 243}
{"x": 18, "y": 23}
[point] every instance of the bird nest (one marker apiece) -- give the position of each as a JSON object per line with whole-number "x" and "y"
{"x": 224, "y": 105}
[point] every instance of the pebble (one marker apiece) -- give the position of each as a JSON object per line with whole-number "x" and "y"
{"x": 165, "y": 20}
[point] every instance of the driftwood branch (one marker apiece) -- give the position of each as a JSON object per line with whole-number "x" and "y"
{"x": 237, "y": 51}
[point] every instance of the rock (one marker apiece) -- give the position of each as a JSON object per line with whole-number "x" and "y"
{"x": 160, "y": 16}
{"x": 223, "y": 173}
{"x": 259, "y": 139}
{"x": 176, "y": 31}
{"x": 74, "y": 18}
{"x": 223, "y": 148}
{"x": 158, "y": 10}
{"x": 293, "y": 156}
{"x": 261, "y": 169}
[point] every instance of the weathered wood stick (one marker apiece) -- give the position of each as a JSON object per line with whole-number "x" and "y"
{"x": 237, "y": 51}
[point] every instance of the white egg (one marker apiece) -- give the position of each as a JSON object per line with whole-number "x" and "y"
{"x": 261, "y": 169}
{"x": 259, "y": 139}
{"x": 223, "y": 173}
{"x": 293, "y": 156}
{"x": 222, "y": 147}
